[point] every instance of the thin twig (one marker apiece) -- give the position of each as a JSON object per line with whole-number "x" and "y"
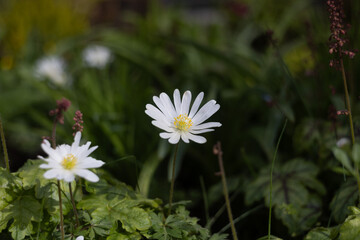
{"x": 217, "y": 151}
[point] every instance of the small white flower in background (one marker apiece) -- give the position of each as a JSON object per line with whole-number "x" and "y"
{"x": 65, "y": 161}
{"x": 80, "y": 238}
{"x": 52, "y": 68}
{"x": 177, "y": 121}
{"x": 97, "y": 56}
{"x": 342, "y": 142}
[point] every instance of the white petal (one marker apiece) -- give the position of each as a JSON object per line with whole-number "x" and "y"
{"x": 185, "y": 138}
{"x": 205, "y": 112}
{"x": 155, "y": 113}
{"x": 166, "y": 101}
{"x": 68, "y": 176}
{"x": 90, "y": 162}
{"x": 197, "y": 139}
{"x": 50, "y": 151}
{"x": 201, "y": 131}
{"x": 80, "y": 238}
{"x": 206, "y": 125}
{"x": 52, "y": 173}
{"x": 44, "y": 166}
{"x": 174, "y": 138}
{"x": 84, "y": 151}
{"x": 162, "y": 126}
{"x": 77, "y": 138}
{"x": 88, "y": 175}
{"x": 196, "y": 104}
{"x": 177, "y": 101}
{"x": 63, "y": 150}
{"x": 162, "y": 108}
{"x": 166, "y": 135}
{"x": 185, "y": 104}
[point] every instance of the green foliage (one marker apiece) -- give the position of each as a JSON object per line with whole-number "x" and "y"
{"x": 322, "y": 233}
{"x": 296, "y": 193}
{"x": 29, "y": 208}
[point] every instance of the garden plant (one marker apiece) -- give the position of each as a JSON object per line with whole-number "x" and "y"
{"x": 170, "y": 120}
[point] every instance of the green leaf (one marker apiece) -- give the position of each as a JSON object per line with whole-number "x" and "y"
{"x": 133, "y": 218}
{"x": 271, "y": 238}
{"x": 121, "y": 236}
{"x": 217, "y": 236}
{"x": 322, "y": 233}
{"x": 343, "y": 158}
{"x": 295, "y": 191}
{"x": 345, "y": 197}
{"x": 350, "y": 229}
{"x": 356, "y": 153}
{"x": 23, "y": 210}
{"x": 32, "y": 175}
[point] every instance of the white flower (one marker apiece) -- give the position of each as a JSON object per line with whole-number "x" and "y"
{"x": 177, "y": 121}
{"x": 80, "y": 238}
{"x": 52, "y": 68}
{"x": 66, "y": 161}
{"x": 342, "y": 142}
{"x": 96, "y": 56}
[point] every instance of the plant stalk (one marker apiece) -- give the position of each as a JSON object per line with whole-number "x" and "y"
{"x": 6, "y": 156}
{"x": 53, "y": 142}
{"x": 61, "y": 212}
{"x": 172, "y": 179}
{"x": 219, "y": 153}
{"x": 348, "y": 107}
{"x": 271, "y": 178}
{"x": 73, "y": 205}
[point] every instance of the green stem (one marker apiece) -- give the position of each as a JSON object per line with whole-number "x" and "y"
{"x": 271, "y": 178}
{"x": 348, "y": 107}
{"x": 6, "y": 157}
{"x": 219, "y": 153}
{"x": 172, "y": 179}
{"x": 61, "y": 212}
{"x": 73, "y": 205}
{"x": 206, "y": 204}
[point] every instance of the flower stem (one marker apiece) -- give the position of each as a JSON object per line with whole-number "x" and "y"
{"x": 219, "y": 153}
{"x": 271, "y": 178}
{"x": 348, "y": 107}
{"x": 61, "y": 212}
{"x": 6, "y": 157}
{"x": 172, "y": 179}
{"x": 53, "y": 134}
{"x": 53, "y": 142}
{"x": 73, "y": 205}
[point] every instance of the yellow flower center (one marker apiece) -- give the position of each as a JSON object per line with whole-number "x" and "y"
{"x": 69, "y": 161}
{"x": 183, "y": 122}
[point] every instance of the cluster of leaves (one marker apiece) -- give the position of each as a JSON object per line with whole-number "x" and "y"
{"x": 296, "y": 193}
{"x": 29, "y": 208}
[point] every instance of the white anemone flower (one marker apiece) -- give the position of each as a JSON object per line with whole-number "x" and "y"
{"x": 52, "y": 68}
{"x": 80, "y": 238}
{"x": 65, "y": 161}
{"x": 176, "y": 119}
{"x": 97, "y": 56}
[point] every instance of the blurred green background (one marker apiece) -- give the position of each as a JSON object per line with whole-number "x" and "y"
{"x": 262, "y": 61}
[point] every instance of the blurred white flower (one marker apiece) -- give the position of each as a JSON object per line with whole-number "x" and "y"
{"x": 65, "y": 161}
{"x": 342, "y": 142}
{"x": 177, "y": 121}
{"x": 97, "y": 56}
{"x": 80, "y": 238}
{"x": 52, "y": 68}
